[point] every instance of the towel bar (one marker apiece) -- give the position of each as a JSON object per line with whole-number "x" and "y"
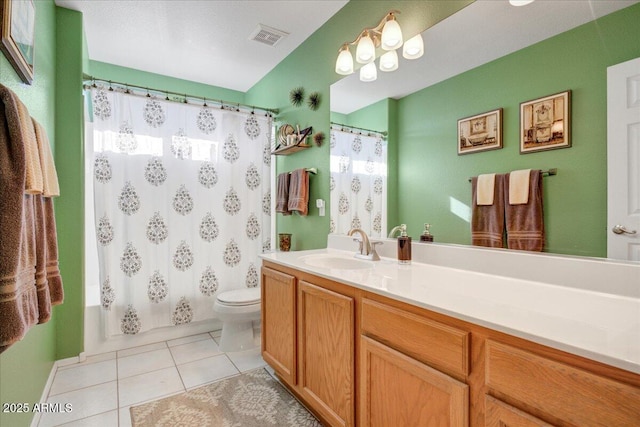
{"x": 310, "y": 170}
{"x": 550, "y": 172}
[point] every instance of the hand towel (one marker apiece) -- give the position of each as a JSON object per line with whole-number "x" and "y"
{"x": 54, "y": 279}
{"x": 485, "y": 193}
{"x": 42, "y": 286}
{"x": 519, "y": 187}
{"x": 18, "y": 294}
{"x": 49, "y": 176}
{"x": 34, "y": 183}
{"x": 299, "y": 191}
{"x": 282, "y": 194}
{"x": 487, "y": 221}
{"x": 525, "y": 222}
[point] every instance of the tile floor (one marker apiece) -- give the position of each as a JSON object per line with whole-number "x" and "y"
{"x": 102, "y": 388}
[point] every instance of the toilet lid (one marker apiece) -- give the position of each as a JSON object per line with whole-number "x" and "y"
{"x": 240, "y": 297}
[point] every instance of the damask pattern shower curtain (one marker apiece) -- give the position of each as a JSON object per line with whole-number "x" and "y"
{"x": 182, "y": 206}
{"x": 358, "y": 183}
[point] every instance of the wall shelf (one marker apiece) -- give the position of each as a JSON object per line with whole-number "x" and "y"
{"x": 290, "y": 149}
{"x": 285, "y": 150}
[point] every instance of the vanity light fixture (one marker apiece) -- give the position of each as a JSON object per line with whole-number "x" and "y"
{"x": 387, "y": 35}
{"x": 366, "y": 50}
{"x": 344, "y": 63}
{"x": 520, "y": 2}
{"x": 413, "y": 48}
{"x": 391, "y": 33}
{"x": 368, "y": 73}
{"x": 389, "y": 61}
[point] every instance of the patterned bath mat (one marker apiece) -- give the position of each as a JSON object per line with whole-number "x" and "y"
{"x": 251, "y": 399}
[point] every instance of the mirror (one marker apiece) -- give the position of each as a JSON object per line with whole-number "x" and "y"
{"x": 465, "y": 72}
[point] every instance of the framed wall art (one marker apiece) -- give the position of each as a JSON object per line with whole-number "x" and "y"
{"x": 480, "y": 132}
{"x": 17, "y": 33}
{"x": 545, "y": 123}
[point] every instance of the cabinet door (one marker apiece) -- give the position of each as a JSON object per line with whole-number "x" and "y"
{"x": 557, "y": 391}
{"x": 326, "y": 352}
{"x": 279, "y": 323}
{"x": 499, "y": 414}
{"x": 396, "y": 390}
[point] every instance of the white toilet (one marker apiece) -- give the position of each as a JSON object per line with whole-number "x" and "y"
{"x": 237, "y": 309}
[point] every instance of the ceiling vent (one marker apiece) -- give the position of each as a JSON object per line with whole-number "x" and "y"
{"x": 267, "y": 35}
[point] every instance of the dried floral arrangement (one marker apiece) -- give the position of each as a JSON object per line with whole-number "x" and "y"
{"x": 296, "y": 96}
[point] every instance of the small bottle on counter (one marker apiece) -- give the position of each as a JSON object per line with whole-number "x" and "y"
{"x": 404, "y": 246}
{"x": 426, "y": 235}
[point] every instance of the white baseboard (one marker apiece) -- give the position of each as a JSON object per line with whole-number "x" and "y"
{"x": 47, "y": 387}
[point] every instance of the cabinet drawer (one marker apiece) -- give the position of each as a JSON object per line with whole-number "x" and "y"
{"x": 563, "y": 392}
{"x": 441, "y": 346}
{"x": 499, "y": 414}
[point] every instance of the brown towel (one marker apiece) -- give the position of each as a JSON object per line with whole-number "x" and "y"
{"x": 18, "y": 295}
{"x": 525, "y": 222}
{"x": 282, "y": 194}
{"x": 42, "y": 288}
{"x": 487, "y": 221}
{"x": 54, "y": 280}
{"x": 299, "y": 191}
{"x": 49, "y": 176}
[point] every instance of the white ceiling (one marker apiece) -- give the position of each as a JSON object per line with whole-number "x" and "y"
{"x": 207, "y": 41}
{"x": 481, "y": 32}
{"x": 202, "y": 41}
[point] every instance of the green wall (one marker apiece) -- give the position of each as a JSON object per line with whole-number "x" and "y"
{"x": 311, "y": 66}
{"x": 434, "y": 179}
{"x": 70, "y": 165}
{"x": 374, "y": 116}
{"x": 25, "y": 366}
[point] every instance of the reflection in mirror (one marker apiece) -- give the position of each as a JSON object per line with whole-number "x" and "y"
{"x": 521, "y": 54}
{"x": 358, "y": 182}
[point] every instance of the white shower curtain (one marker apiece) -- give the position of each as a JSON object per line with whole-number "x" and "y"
{"x": 182, "y": 206}
{"x": 358, "y": 183}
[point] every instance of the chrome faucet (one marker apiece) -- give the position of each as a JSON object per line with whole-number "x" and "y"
{"x": 367, "y": 249}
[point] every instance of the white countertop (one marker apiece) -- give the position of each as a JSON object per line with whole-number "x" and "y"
{"x": 597, "y": 325}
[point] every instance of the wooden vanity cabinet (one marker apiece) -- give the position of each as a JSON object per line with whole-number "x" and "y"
{"x": 397, "y": 390}
{"x": 499, "y": 414}
{"x": 563, "y": 394}
{"x": 406, "y": 367}
{"x": 308, "y": 339}
{"x": 358, "y": 358}
{"x": 278, "y": 312}
{"x": 326, "y": 352}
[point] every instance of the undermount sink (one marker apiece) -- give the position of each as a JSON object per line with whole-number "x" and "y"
{"x": 335, "y": 262}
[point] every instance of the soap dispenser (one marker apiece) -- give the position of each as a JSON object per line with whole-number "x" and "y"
{"x": 404, "y": 244}
{"x": 426, "y": 235}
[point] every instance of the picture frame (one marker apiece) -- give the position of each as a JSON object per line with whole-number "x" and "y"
{"x": 545, "y": 123}
{"x": 480, "y": 132}
{"x": 17, "y": 35}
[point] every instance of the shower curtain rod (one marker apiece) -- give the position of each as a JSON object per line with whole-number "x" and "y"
{"x": 177, "y": 96}
{"x": 383, "y": 133}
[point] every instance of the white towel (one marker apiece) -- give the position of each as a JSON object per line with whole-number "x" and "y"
{"x": 486, "y": 184}
{"x": 519, "y": 187}
{"x": 49, "y": 174}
